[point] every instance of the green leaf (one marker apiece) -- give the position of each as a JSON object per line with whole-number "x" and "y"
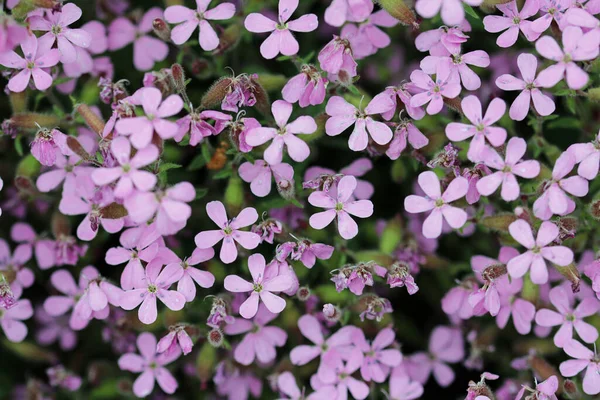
{"x": 223, "y": 174}
{"x": 200, "y": 193}
{"x": 469, "y": 10}
{"x": 296, "y": 203}
{"x": 19, "y": 146}
{"x": 354, "y": 90}
{"x": 167, "y": 166}
{"x": 197, "y": 163}
{"x": 206, "y": 152}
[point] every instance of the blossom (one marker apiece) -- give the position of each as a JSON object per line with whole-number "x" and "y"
{"x": 583, "y": 358}
{"x": 543, "y": 391}
{"x": 285, "y": 135}
{"x": 260, "y": 340}
{"x": 147, "y": 49}
{"x": 399, "y": 276}
{"x": 554, "y": 200}
{"x": 34, "y": 63}
{"x": 337, "y": 58}
{"x": 587, "y": 155}
{"x": 340, "y": 11}
{"x": 229, "y": 231}
{"x": 446, "y": 346}
{"x": 530, "y": 86}
{"x": 377, "y": 360}
{"x": 281, "y": 39}
{"x": 259, "y": 175}
{"x": 512, "y": 22}
{"x": 260, "y": 287}
{"x": 129, "y": 173}
{"x": 176, "y": 339}
{"x": 47, "y": 144}
{"x": 342, "y": 207}
{"x": 481, "y": 127}
{"x": 11, "y": 320}
{"x": 190, "y": 274}
{"x": 151, "y": 366}
{"x": 446, "y": 85}
{"x": 326, "y": 179}
{"x": 306, "y": 88}
{"x": 343, "y": 115}
{"x": 155, "y": 284}
{"x": 569, "y": 318}
{"x": 576, "y": 47}
{"x": 458, "y": 64}
{"x": 553, "y": 10}
{"x": 56, "y": 24}
{"x": 538, "y": 250}
{"x": 443, "y": 41}
{"x": 141, "y": 128}
{"x": 304, "y": 251}
{"x": 507, "y": 169}
{"x": 452, "y": 10}
{"x": 438, "y": 203}
{"x": 406, "y": 130}
{"x": 199, "y": 128}
{"x": 14, "y": 265}
{"x": 169, "y": 205}
{"x": 401, "y": 386}
{"x": 189, "y": 19}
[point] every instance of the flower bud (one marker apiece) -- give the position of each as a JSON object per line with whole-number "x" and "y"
{"x": 216, "y": 93}
{"x": 332, "y": 313}
{"x": 303, "y": 293}
{"x": 32, "y": 121}
{"x": 263, "y": 105}
{"x": 572, "y": 274}
{"x": 92, "y": 119}
{"x": 498, "y": 222}
{"x": 161, "y": 29}
{"x": 113, "y": 211}
{"x": 570, "y": 387}
{"x": 594, "y": 94}
{"x": 215, "y": 338}
{"x": 234, "y": 193}
{"x": 286, "y": 189}
{"x": 229, "y": 39}
{"x": 77, "y": 148}
{"x": 594, "y": 209}
{"x": 18, "y": 101}
{"x": 399, "y": 10}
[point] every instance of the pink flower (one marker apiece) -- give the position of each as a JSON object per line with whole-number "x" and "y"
{"x": 401, "y": 386}
{"x": 443, "y": 41}
{"x": 281, "y": 39}
{"x": 261, "y": 287}
{"x": 507, "y": 169}
{"x": 340, "y": 11}
{"x": 35, "y": 62}
{"x": 67, "y": 171}
{"x": 343, "y": 381}
{"x": 155, "y": 284}
{"x": 554, "y": 200}
{"x": 537, "y": 251}
{"x": 177, "y": 339}
{"x": 304, "y": 251}
{"x": 326, "y": 179}
{"x": 11, "y": 320}
{"x": 260, "y": 340}
{"x": 147, "y": 49}
{"x": 306, "y": 88}
{"x": 446, "y": 346}
{"x": 554, "y": 11}
{"x": 587, "y": 155}
{"x": 229, "y": 231}
{"x": 15, "y": 265}
{"x": 150, "y": 365}
{"x": 577, "y": 47}
{"x": 512, "y": 22}
{"x": 458, "y": 63}
{"x": 47, "y": 144}
{"x": 129, "y": 173}
{"x": 406, "y": 130}
{"x": 337, "y": 58}
{"x": 452, "y": 10}
{"x": 569, "y": 318}
{"x": 446, "y": 84}
{"x": 438, "y": 203}
{"x": 342, "y": 207}
{"x": 43, "y": 249}
{"x": 11, "y": 32}
{"x": 137, "y": 245}
{"x": 377, "y": 360}
{"x": 56, "y": 24}
{"x": 204, "y": 279}
{"x": 199, "y": 128}
{"x": 259, "y": 175}
{"x": 156, "y": 110}
{"x": 481, "y": 126}
{"x": 529, "y": 85}
{"x": 522, "y": 311}
{"x": 284, "y": 135}
{"x": 543, "y": 391}
{"x": 169, "y": 205}
{"x": 583, "y": 358}
{"x": 343, "y": 115}
{"x": 191, "y": 19}
{"x": 286, "y": 383}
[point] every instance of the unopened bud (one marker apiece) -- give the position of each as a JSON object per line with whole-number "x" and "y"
{"x": 77, "y": 148}
{"x": 594, "y": 94}
{"x": 217, "y": 92}
{"x": 60, "y": 225}
{"x": 228, "y": 39}
{"x": 25, "y": 185}
{"x": 594, "y": 209}
{"x": 286, "y": 189}
{"x": 92, "y": 119}
{"x": 113, "y": 211}
{"x": 215, "y": 338}
{"x": 399, "y": 10}
{"x": 543, "y": 368}
{"x": 303, "y": 293}
{"x": 331, "y": 312}
{"x": 572, "y": 274}
{"x": 454, "y": 104}
{"x": 18, "y": 101}
{"x": 570, "y": 387}
{"x": 33, "y": 121}
{"x": 161, "y": 29}
{"x": 234, "y": 193}
{"x": 24, "y": 7}
{"x": 499, "y": 222}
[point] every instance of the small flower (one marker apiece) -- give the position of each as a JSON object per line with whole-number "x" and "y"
{"x": 543, "y": 391}
{"x": 196, "y": 124}
{"x": 378, "y": 360}
{"x": 587, "y": 155}
{"x": 35, "y": 61}
{"x": 452, "y": 10}
{"x": 176, "y": 339}
{"x": 155, "y": 284}
{"x": 11, "y": 320}
{"x": 446, "y": 85}
{"x": 306, "y": 88}
{"x": 60, "y": 377}
{"x": 284, "y": 135}
{"x": 46, "y": 145}
{"x": 512, "y": 22}
{"x": 530, "y": 86}
{"x": 584, "y": 358}
{"x": 538, "y": 250}
{"x": 341, "y": 207}
{"x": 141, "y": 129}
{"x": 569, "y": 318}
{"x": 576, "y": 47}
{"x": 405, "y": 131}
{"x": 150, "y": 365}
{"x": 129, "y": 173}
{"x": 458, "y": 64}
{"x": 304, "y": 251}
{"x": 337, "y": 58}
{"x": 442, "y": 41}
{"x": 268, "y": 229}
{"x": 507, "y": 169}
{"x": 438, "y": 203}
{"x": 481, "y": 126}
{"x": 281, "y": 39}
{"x": 340, "y": 11}
{"x": 191, "y": 19}
{"x": 553, "y": 10}
{"x": 229, "y": 231}
{"x": 190, "y": 274}
{"x": 261, "y": 287}
{"x": 399, "y": 276}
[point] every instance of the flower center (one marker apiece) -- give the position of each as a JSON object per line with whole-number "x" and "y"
{"x": 570, "y": 317}
{"x": 227, "y": 230}
{"x": 56, "y": 30}
{"x": 530, "y": 86}
{"x": 567, "y": 58}
{"x": 439, "y": 202}
{"x": 126, "y": 168}
{"x": 339, "y": 207}
{"x": 30, "y": 65}
{"x": 282, "y": 26}
{"x": 506, "y": 168}
{"x": 480, "y": 127}
{"x": 257, "y": 287}
{"x": 516, "y": 20}
{"x": 152, "y": 288}
{"x": 536, "y": 250}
